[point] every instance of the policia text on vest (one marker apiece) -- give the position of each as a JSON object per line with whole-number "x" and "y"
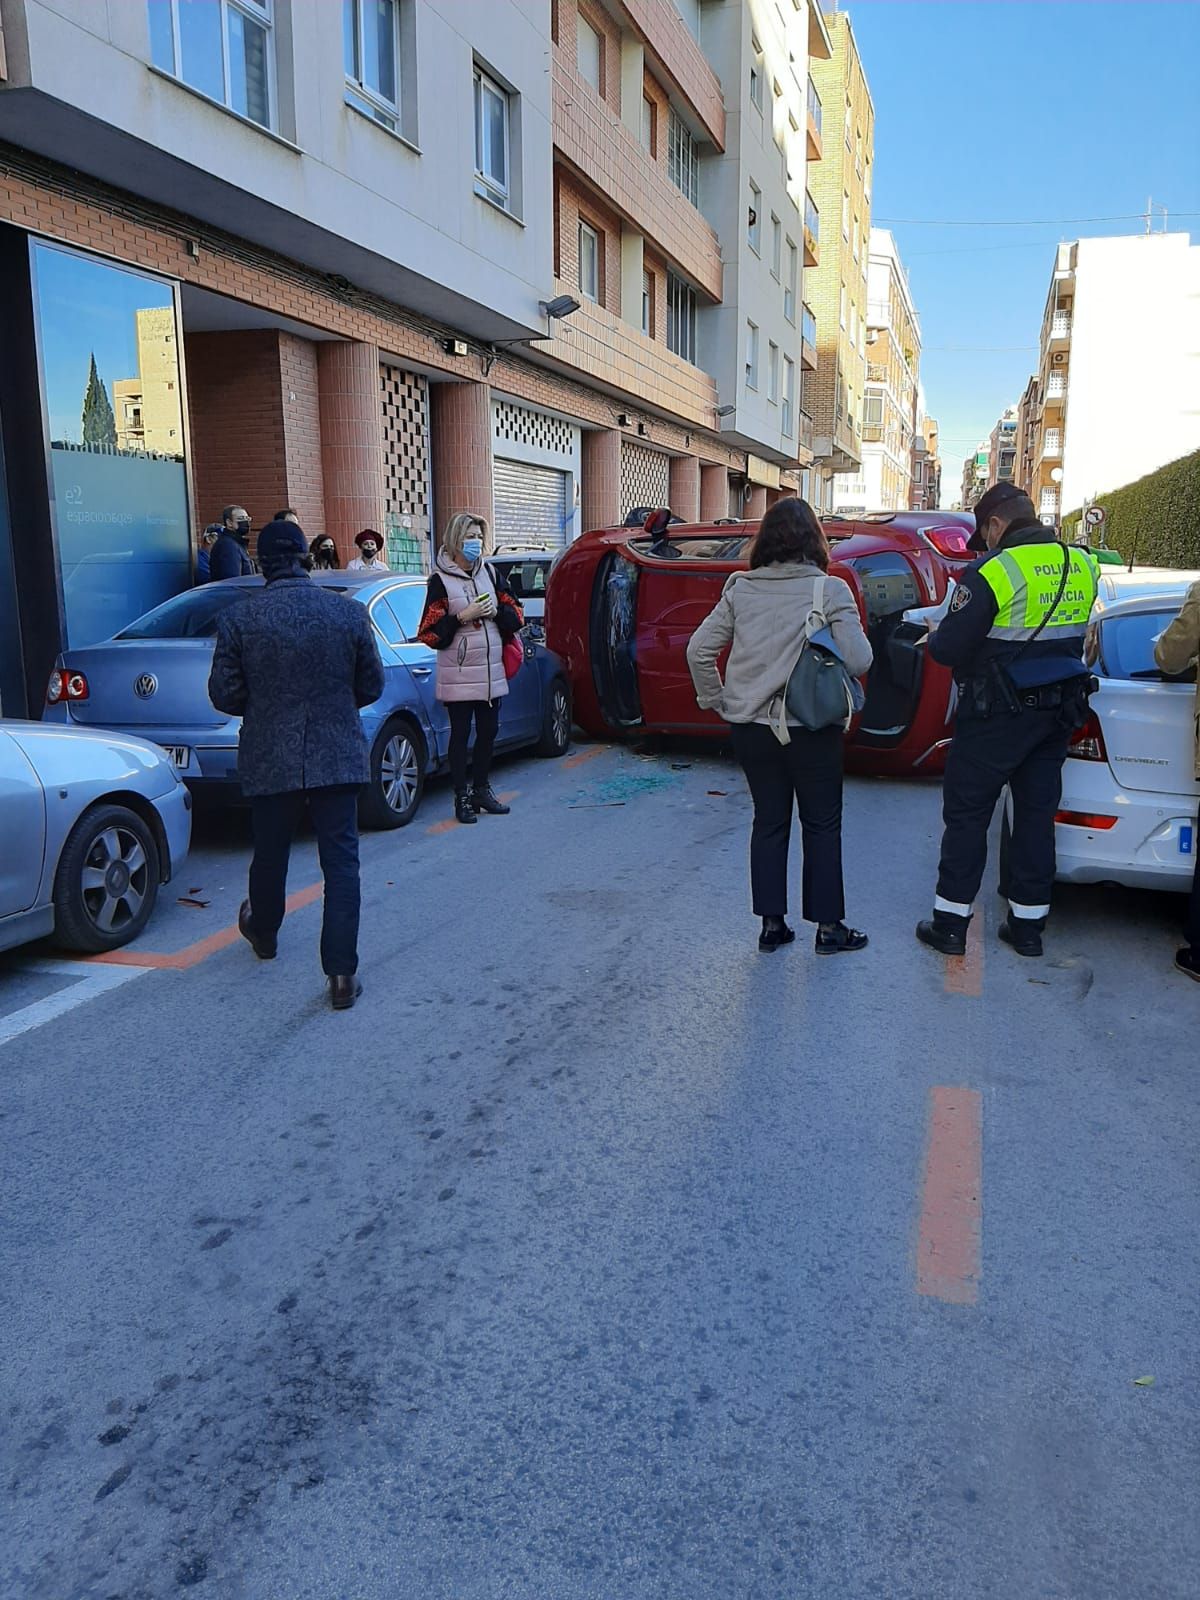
{"x": 1014, "y": 637}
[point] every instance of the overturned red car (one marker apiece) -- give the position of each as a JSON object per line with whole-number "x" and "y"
{"x": 622, "y": 604}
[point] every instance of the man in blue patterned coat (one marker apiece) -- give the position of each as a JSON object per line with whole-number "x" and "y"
{"x": 296, "y": 663}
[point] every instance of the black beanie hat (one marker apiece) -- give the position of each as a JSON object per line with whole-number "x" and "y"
{"x": 281, "y": 542}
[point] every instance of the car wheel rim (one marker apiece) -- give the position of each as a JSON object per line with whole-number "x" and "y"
{"x": 561, "y": 718}
{"x": 115, "y": 879}
{"x": 398, "y": 773}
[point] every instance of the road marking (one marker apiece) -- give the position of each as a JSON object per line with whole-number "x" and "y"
{"x": 85, "y": 986}
{"x": 193, "y": 954}
{"x": 585, "y": 755}
{"x": 948, "y": 1239}
{"x": 448, "y": 824}
{"x": 964, "y": 974}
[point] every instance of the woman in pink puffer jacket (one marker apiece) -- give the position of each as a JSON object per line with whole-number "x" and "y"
{"x": 467, "y": 619}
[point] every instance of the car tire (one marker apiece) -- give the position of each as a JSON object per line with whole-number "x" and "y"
{"x": 106, "y": 884}
{"x": 392, "y": 797}
{"x": 555, "y": 737}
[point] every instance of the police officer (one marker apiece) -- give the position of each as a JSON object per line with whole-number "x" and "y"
{"x": 1014, "y": 636}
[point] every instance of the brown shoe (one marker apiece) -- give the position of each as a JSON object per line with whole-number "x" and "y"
{"x": 264, "y": 949}
{"x": 343, "y": 992}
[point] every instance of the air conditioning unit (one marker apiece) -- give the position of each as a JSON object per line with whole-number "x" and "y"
{"x": 1059, "y": 358}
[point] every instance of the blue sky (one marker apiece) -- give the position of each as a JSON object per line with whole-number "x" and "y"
{"x": 1019, "y": 109}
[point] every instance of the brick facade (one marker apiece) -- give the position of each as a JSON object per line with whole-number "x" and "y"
{"x": 235, "y": 407}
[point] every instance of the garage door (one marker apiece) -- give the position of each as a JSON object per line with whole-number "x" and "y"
{"x": 531, "y": 503}
{"x": 645, "y": 477}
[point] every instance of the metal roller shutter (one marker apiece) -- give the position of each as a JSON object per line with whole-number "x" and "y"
{"x": 645, "y": 477}
{"x": 531, "y": 503}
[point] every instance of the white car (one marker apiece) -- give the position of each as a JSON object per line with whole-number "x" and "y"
{"x": 91, "y": 823}
{"x": 1130, "y": 796}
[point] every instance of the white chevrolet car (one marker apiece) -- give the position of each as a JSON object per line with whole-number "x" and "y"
{"x": 1130, "y": 797}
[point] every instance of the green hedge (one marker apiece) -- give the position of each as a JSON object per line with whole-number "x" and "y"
{"x": 1156, "y": 519}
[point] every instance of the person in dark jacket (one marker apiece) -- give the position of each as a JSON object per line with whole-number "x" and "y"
{"x": 1013, "y": 636}
{"x": 204, "y": 550}
{"x": 229, "y": 557}
{"x": 296, "y": 663}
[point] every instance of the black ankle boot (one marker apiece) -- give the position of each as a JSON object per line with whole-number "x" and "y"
{"x": 946, "y": 933}
{"x": 485, "y": 800}
{"x": 464, "y": 809}
{"x": 1023, "y": 933}
{"x": 840, "y": 940}
{"x": 775, "y": 932}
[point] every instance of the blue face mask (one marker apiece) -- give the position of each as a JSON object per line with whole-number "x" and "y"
{"x": 472, "y": 549}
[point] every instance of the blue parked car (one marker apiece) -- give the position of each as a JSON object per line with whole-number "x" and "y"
{"x": 151, "y": 680}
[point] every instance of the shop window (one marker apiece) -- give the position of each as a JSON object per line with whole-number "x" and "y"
{"x": 222, "y": 48}
{"x": 121, "y": 507}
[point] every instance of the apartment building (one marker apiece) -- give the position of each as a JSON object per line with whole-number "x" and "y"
{"x": 837, "y": 237}
{"x": 975, "y": 474}
{"x": 1003, "y": 447}
{"x": 893, "y": 344}
{"x": 1028, "y": 412}
{"x": 926, "y": 493}
{"x": 376, "y": 262}
{"x": 1115, "y": 394}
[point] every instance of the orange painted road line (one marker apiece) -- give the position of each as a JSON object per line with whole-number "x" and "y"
{"x": 586, "y": 755}
{"x": 948, "y": 1240}
{"x": 193, "y": 954}
{"x": 964, "y": 974}
{"x": 448, "y": 824}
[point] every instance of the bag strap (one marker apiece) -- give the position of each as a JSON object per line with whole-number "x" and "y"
{"x": 1062, "y": 589}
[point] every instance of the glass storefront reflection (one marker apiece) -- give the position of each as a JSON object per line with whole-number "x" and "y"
{"x": 108, "y": 343}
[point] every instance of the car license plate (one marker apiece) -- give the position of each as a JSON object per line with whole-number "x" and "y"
{"x": 180, "y": 756}
{"x": 1185, "y": 839}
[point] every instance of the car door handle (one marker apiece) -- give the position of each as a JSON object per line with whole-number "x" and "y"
{"x": 420, "y": 672}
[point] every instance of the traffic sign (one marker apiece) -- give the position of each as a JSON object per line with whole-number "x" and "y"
{"x": 1094, "y": 516}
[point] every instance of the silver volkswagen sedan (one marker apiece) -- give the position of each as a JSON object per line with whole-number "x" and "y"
{"x": 91, "y": 823}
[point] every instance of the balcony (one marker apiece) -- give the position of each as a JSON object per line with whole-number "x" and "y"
{"x": 807, "y": 433}
{"x": 872, "y": 433}
{"x": 877, "y": 372}
{"x": 812, "y": 232}
{"x": 808, "y": 339}
{"x": 1060, "y": 328}
{"x": 1052, "y": 442}
{"x": 814, "y": 122}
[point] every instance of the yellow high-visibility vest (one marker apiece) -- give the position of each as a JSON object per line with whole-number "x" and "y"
{"x": 1025, "y": 581}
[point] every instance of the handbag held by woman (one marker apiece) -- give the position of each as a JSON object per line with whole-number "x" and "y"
{"x": 819, "y": 692}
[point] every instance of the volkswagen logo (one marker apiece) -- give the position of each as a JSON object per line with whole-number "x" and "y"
{"x": 145, "y": 686}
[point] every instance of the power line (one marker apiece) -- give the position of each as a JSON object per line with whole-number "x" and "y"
{"x": 979, "y": 249}
{"x": 974, "y": 349}
{"x": 1012, "y": 222}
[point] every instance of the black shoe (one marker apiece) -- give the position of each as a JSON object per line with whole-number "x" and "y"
{"x": 946, "y": 933}
{"x": 842, "y": 939}
{"x": 464, "y": 809}
{"x": 485, "y": 800}
{"x": 343, "y": 992}
{"x": 775, "y": 932}
{"x": 264, "y": 949}
{"x": 1023, "y": 933}
{"x": 1188, "y": 961}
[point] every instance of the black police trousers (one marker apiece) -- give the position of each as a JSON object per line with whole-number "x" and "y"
{"x": 1024, "y": 749}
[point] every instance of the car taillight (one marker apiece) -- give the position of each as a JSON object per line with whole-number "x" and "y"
{"x": 66, "y": 685}
{"x": 1086, "y": 819}
{"x": 1087, "y": 743}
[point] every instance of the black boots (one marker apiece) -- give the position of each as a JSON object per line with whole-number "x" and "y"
{"x": 946, "y": 933}
{"x": 343, "y": 992}
{"x": 840, "y": 940}
{"x": 464, "y": 807}
{"x": 485, "y": 800}
{"x": 775, "y": 932}
{"x": 264, "y": 949}
{"x": 1023, "y": 933}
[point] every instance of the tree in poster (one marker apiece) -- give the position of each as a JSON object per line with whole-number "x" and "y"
{"x": 99, "y": 424}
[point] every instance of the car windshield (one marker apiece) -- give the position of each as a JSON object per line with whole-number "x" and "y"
{"x": 1127, "y": 645}
{"x": 194, "y": 614}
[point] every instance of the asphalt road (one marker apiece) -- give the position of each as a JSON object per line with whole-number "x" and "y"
{"x": 594, "y": 1255}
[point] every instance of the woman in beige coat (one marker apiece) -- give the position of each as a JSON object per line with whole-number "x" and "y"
{"x": 1177, "y": 649}
{"x": 762, "y": 616}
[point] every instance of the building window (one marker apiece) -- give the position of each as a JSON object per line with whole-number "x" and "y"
{"x": 789, "y": 396}
{"x": 849, "y": 125}
{"x": 681, "y": 318}
{"x": 589, "y": 54}
{"x": 845, "y": 215}
{"x": 751, "y": 355}
{"x": 872, "y": 411}
{"x": 683, "y": 166}
{"x": 589, "y": 262}
{"x": 808, "y": 326}
{"x": 857, "y": 231}
{"x": 789, "y": 283}
{"x": 773, "y": 373}
{"x": 853, "y": 323}
{"x": 776, "y": 245}
{"x": 842, "y": 307}
{"x": 754, "y": 218}
{"x": 491, "y": 138}
{"x": 649, "y": 132}
{"x": 756, "y": 76}
{"x": 222, "y": 48}
{"x": 648, "y": 304}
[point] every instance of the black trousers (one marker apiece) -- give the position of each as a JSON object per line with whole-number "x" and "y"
{"x": 1192, "y": 931}
{"x": 808, "y": 774}
{"x": 1025, "y": 750}
{"x": 334, "y": 813}
{"x": 487, "y": 719}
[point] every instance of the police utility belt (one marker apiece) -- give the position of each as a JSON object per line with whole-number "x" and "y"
{"x": 993, "y": 691}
